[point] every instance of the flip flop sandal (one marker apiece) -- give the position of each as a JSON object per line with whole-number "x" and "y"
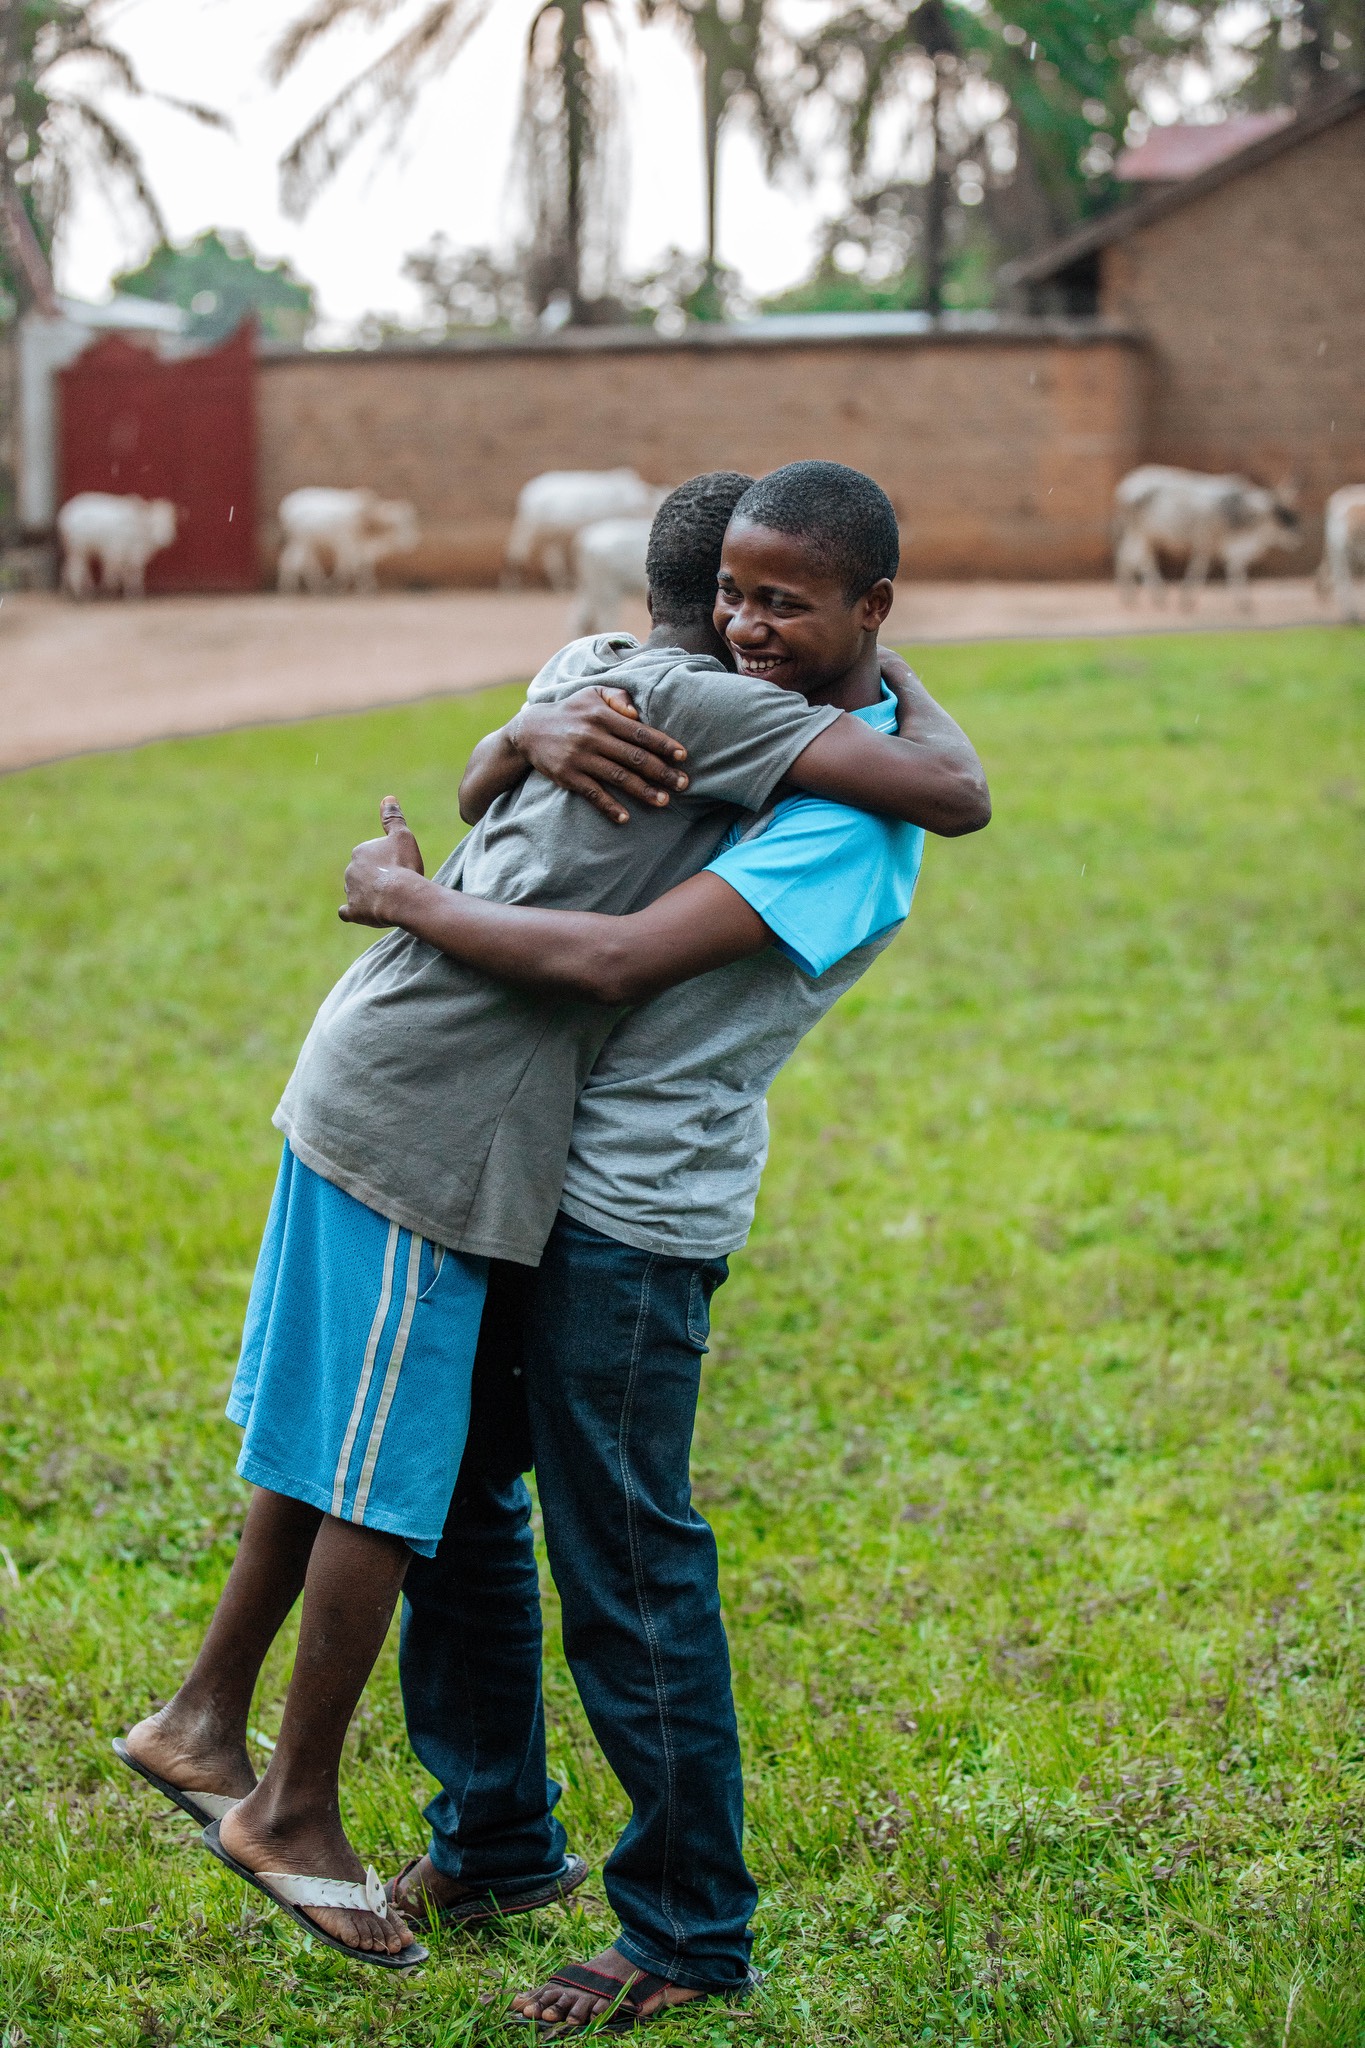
{"x": 203, "y": 1807}
{"x": 625, "y": 2014}
{"x": 491, "y": 1904}
{"x": 291, "y": 1893}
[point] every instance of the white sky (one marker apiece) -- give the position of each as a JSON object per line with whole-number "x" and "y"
{"x": 449, "y": 172}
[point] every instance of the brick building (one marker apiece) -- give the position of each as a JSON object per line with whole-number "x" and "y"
{"x": 1247, "y": 284}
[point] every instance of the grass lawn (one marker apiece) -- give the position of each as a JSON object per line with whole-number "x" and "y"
{"x": 1032, "y": 1432}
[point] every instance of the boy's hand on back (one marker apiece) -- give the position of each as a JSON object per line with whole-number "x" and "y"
{"x": 370, "y": 873}
{"x": 595, "y": 744}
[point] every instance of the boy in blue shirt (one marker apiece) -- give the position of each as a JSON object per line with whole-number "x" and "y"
{"x": 728, "y": 970}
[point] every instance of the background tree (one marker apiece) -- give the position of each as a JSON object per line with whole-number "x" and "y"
{"x": 1295, "y": 52}
{"x": 382, "y": 94}
{"x": 466, "y": 289}
{"x": 1023, "y": 111}
{"x": 218, "y": 280}
{"x": 729, "y": 39}
{"x": 566, "y": 107}
{"x": 563, "y": 144}
{"x": 53, "y": 55}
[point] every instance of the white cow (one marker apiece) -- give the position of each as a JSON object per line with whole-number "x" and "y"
{"x": 1209, "y": 519}
{"x": 610, "y": 559}
{"x": 116, "y": 534}
{"x": 554, "y": 508}
{"x": 334, "y": 538}
{"x": 1343, "y": 548}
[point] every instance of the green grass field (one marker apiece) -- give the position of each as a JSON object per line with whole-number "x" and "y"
{"x": 1032, "y": 1431}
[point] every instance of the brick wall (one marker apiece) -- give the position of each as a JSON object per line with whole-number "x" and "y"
{"x": 1253, "y": 299}
{"x": 1000, "y": 449}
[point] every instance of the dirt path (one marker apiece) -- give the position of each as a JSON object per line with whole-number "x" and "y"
{"x": 77, "y": 679}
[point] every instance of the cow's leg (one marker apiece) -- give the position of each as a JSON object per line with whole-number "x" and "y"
{"x": 348, "y": 568}
{"x": 1196, "y": 575}
{"x": 314, "y": 573}
{"x": 1127, "y": 568}
{"x": 517, "y": 560}
{"x": 290, "y": 574}
{"x": 1236, "y": 561}
{"x": 134, "y": 575}
{"x": 1337, "y": 562}
{"x": 1148, "y": 568}
{"x": 76, "y": 575}
{"x": 555, "y": 557}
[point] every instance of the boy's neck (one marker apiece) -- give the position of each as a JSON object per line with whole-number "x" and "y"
{"x": 857, "y": 687}
{"x": 698, "y": 637}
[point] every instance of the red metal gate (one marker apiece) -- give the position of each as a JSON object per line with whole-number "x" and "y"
{"x": 183, "y": 429}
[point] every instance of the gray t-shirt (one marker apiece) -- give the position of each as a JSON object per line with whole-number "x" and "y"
{"x": 442, "y": 1098}
{"x": 670, "y": 1136}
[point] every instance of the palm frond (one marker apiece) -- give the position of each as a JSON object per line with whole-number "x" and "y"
{"x": 119, "y": 63}
{"x": 116, "y": 153}
{"x": 310, "y": 28}
{"x": 210, "y": 117}
{"x": 385, "y": 88}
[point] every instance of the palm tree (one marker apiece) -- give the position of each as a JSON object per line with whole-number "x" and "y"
{"x": 727, "y": 37}
{"x": 566, "y": 119}
{"x": 52, "y": 54}
{"x": 565, "y": 113}
{"x": 882, "y": 48}
{"x": 1065, "y": 73}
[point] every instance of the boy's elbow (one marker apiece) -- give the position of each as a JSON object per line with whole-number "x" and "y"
{"x": 969, "y": 808}
{"x": 611, "y": 972}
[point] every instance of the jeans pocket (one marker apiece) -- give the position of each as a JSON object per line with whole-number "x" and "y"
{"x": 433, "y": 1258}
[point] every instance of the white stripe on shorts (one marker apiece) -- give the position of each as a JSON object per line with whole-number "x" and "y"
{"x": 381, "y": 1316}
{"x": 390, "y": 1387}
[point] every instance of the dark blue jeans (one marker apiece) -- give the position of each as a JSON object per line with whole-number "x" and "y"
{"x": 590, "y": 1366}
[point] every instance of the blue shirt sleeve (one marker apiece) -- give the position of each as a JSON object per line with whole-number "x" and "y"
{"x": 825, "y": 879}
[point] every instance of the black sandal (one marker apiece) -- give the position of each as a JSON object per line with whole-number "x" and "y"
{"x": 491, "y": 1904}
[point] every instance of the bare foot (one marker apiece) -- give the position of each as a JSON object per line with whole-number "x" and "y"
{"x": 190, "y": 1753}
{"x": 423, "y": 1892}
{"x": 560, "y": 2004}
{"x": 311, "y": 1847}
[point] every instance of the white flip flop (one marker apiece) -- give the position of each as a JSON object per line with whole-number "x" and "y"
{"x": 291, "y": 1894}
{"x": 203, "y": 1807}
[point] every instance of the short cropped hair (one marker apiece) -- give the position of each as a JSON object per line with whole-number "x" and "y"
{"x": 847, "y": 520}
{"x": 683, "y": 559}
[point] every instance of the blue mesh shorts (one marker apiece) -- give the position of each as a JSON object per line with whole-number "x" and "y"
{"x": 352, "y": 1388}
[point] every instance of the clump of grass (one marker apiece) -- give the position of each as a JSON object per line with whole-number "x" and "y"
{"x": 1033, "y": 1422}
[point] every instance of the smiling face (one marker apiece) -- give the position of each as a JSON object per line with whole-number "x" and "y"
{"x": 787, "y": 618}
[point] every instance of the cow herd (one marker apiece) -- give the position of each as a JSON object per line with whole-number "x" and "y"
{"x": 587, "y": 531}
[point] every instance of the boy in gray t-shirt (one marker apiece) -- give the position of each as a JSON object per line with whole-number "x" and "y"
{"x": 427, "y": 1124}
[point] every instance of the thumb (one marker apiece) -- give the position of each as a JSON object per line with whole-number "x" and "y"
{"x": 391, "y": 815}
{"x": 618, "y": 701}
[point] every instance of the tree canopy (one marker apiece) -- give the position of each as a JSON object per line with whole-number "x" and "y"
{"x": 218, "y": 280}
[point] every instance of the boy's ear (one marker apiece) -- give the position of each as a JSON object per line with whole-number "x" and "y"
{"x": 875, "y": 604}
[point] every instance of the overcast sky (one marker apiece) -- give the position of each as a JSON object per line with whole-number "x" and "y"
{"x": 449, "y": 172}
